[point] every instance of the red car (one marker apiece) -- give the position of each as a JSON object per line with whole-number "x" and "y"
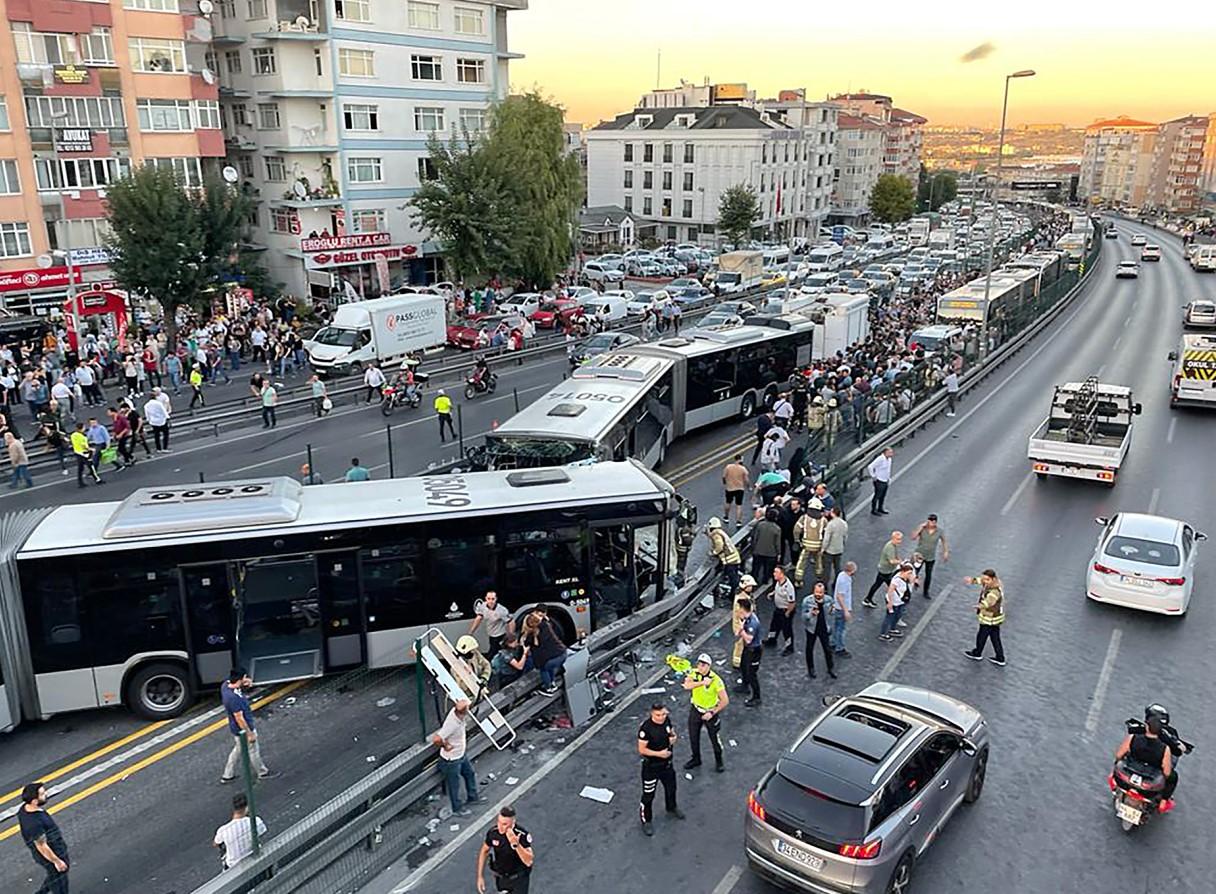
{"x": 463, "y": 333}
{"x": 557, "y": 313}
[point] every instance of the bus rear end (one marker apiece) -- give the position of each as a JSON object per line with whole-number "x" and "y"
{"x": 1194, "y": 380}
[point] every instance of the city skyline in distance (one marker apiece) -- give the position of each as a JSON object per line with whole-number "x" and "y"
{"x": 598, "y": 66}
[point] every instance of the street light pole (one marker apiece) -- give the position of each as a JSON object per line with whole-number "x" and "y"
{"x": 1000, "y": 154}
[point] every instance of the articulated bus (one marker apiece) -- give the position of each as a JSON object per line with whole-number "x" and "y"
{"x": 967, "y": 302}
{"x": 149, "y": 601}
{"x": 634, "y": 402}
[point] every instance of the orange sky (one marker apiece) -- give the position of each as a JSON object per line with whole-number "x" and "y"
{"x": 597, "y": 58}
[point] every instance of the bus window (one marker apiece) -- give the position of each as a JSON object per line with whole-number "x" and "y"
{"x": 646, "y": 562}
{"x": 537, "y": 563}
{"x": 465, "y": 565}
{"x": 614, "y": 592}
{"x": 54, "y": 615}
{"x": 338, "y": 583}
{"x": 392, "y": 579}
{"x": 710, "y": 381}
{"x": 132, "y": 609}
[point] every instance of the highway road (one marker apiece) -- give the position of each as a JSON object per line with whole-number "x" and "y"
{"x": 1076, "y": 669}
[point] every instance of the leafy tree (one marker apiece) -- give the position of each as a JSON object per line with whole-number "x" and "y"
{"x": 469, "y": 207}
{"x": 170, "y": 243}
{"x": 738, "y": 211}
{"x": 941, "y": 188}
{"x": 526, "y": 148}
{"x": 893, "y": 198}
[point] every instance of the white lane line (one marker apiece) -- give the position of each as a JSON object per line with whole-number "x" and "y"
{"x": 1153, "y": 500}
{"x": 1127, "y": 321}
{"x": 1108, "y": 667}
{"x": 1169, "y": 435}
{"x": 1017, "y": 493}
{"x": 430, "y": 418}
{"x": 729, "y": 880}
{"x": 910, "y": 640}
{"x": 1118, "y": 341}
{"x": 961, "y": 421}
{"x": 1101, "y": 370}
{"x": 476, "y": 827}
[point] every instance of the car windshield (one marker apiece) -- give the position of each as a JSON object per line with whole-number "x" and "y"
{"x": 334, "y": 337}
{"x": 600, "y": 342}
{"x": 928, "y": 342}
{"x": 1149, "y": 552}
{"x": 811, "y": 810}
{"x": 729, "y": 277}
{"x": 1203, "y": 307}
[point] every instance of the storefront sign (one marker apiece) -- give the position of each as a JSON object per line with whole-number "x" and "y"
{"x": 344, "y": 243}
{"x": 82, "y": 257}
{"x": 70, "y": 74}
{"x": 325, "y": 260}
{"x": 29, "y": 280}
{"x": 74, "y": 139}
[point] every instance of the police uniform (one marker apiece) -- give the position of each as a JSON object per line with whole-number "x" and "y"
{"x": 511, "y": 876}
{"x": 702, "y": 698}
{"x": 657, "y": 737}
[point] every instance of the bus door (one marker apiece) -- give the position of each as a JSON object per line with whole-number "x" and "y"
{"x": 207, "y": 591}
{"x": 341, "y": 614}
{"x": 279, "y": 634}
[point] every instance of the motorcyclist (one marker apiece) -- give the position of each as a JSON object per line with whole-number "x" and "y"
{"x": 403, "y": 381}
{"x": 1149, "y": 748}
{"x": 481, "y": 370}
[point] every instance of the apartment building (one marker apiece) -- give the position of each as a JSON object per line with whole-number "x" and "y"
{"x": 1116, "y": 161}
{"x": 327, "y": 110}
{"x": 1178, "y": 165}
{"x": 859, "y": 163}
{"x": 671, "y": 165}
{"x": 87, "y": 90}
{"x": 1207, "y": 186}
{"x": 903, "y": 131}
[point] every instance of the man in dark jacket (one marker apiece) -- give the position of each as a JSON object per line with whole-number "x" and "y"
{"x": 787, "y": 518}
{"x": 766, "y": 545}
{"x": 763, "y": 423}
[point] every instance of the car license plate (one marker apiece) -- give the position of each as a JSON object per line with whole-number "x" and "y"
{"x": 797, "y": 854}
{"x": 1127, "y": 813}
{"x": 1136, "y": 581}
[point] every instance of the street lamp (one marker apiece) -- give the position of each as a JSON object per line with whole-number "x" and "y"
{"x": 1000, "y": 155}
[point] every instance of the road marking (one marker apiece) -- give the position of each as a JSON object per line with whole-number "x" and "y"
{"x": 90, "y": 757}
{"x": 910, "y": 640}
{"x": 476, "y": 827}
{"x": 1017, "y": 493}
{"x": 1127, "y": 321}
{"x": 1118, "y": 341}
{"x": 1152, "y": 502}
{"x": 1169, "y": 435}
{"x": 729, "y": 880}
{"x": 1101, "y": 370}
{"x": 1108, "y": 666}
{"x": 960, "y": 422}
{"x": 431, "y": 418}
{"x": 124, "y": 774}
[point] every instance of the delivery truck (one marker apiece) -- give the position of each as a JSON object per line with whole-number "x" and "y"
{"x": 384, "y": 330}
{"x": 739, "y": 271}
{"x": 1086, "y": 434}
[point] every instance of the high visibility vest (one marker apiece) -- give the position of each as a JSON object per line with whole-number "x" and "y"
{"x": 724, "y": 548}
{"x": 706, "y": 697}
{"x": 443, "y": 404}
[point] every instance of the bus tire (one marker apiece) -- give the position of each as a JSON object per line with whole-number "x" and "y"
{"x": 747, "y": 408}
{"x": 159, "y": 691}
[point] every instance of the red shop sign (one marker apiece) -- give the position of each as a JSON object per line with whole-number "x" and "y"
{"x": 35, "y": 278}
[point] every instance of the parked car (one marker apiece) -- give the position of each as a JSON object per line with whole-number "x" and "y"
{"x": 672, "y": 267}
{"x": 464, "y": 333}
{"x": 599, "y": 271}
{"x": 522, "y": 303}
{"x": 557, "y": 313}
{"x": 601, "y": 343}
{"x": 578, "y": 293}
{"x": 864, "y": 791}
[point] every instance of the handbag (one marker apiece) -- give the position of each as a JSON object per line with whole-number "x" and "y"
{"x": 109, "y": 454}
{"x": 327, "y": 404}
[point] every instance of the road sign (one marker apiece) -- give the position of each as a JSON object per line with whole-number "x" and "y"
{"x": 1036, "y": 184}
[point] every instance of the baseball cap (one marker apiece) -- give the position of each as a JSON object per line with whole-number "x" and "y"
{"x": 932, "y": 516}
{"x": 704, "y": 658}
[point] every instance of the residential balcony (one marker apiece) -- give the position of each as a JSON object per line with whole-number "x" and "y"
{"x": 301, "y": 20}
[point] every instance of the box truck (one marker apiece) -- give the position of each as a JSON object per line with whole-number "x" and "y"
{"x": 738, "y": 271}
{"x": 383, "y": 330}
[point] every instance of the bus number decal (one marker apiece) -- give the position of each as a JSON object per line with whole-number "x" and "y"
{"x": 588, "y": 396}
{"x": 447, "y": 492}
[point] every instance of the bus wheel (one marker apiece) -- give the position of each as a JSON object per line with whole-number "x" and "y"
{"x": 159, "y": 691}
{"x": 748, "y": 408}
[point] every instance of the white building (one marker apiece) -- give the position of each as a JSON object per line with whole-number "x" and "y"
{"x": 327, "y": 108}
{"x": 672, "y": 165}
{"x": 859, "y": 162}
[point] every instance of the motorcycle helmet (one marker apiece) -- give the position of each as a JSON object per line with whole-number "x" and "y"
{"x": 1159, "y": 711}
{"x": 466, "y": 645}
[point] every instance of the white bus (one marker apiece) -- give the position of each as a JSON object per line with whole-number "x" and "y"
{"x": 148, "y": 601}
{"x": 634, "y": 402}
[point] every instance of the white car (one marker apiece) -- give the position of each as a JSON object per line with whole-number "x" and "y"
{"x": 1139, "y": 239}
{"x": 1127, "y": 270}
{"x": 598, "y": 271}
{"x": 1146, "y": 562}
{"x": 1150, "y": 253}
{"x": 522, "y": 303}
{"x": 580, "y": 293}
{"x": 647, "y": 300}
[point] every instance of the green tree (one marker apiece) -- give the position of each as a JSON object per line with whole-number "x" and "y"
{"x": 738, "y": 210}
{"x": 893, "y": 198}
{"x": 170, "y": 243}
{"x": 935, "y": 190}
{"x": 469, "y": 207}
{"x": 525, "y": 147}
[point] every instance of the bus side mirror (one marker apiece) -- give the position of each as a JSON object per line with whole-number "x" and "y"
{"x": 1173, "y": 355}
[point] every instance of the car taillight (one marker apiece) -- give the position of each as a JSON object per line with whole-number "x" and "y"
{"x": 1172, "y": 581}
{"x": 755, "y": 807}
{"x": 867, "y": 851}
{"x": 1102, "y": 569}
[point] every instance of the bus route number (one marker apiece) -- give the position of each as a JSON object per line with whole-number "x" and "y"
{"x": 448, "y": 492}
{"x": 589, "y": 396}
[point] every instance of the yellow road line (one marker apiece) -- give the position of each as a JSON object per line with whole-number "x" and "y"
{"x": 92, "y": 756}
{"x": 734, "y": 445}
{"x": 154, "y": 757}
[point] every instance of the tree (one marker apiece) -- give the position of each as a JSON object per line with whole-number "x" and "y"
{"x": 893, "y": 198}
{"x": 738, "y": 211}
{"x": 544, "y": 185}
{"x": 171, "y": 243}
{"x": 935, "y": 190}
{"x": 469, "y": 207}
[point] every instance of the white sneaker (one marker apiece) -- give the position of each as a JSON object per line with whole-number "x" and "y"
{"x": 950, "y": 415}
{"x": 901, "y": 623}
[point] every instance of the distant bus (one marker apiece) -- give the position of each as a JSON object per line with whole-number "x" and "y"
{"x": 634, "y": 403}
{"x": 148, "y": 601}
{"x": 968, "y": 304}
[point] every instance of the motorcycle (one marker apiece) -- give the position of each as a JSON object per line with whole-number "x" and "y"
{"x": 1137, "y": 788}
{"x": 485, "y": 385}
{"x": 403, "y": 396}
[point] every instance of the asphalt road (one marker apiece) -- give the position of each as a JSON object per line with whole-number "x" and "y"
{"x": 1076, "y": 669}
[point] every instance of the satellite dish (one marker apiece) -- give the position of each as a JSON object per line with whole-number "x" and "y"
{"x": 230, "y": 174}
{"x": 303, "y": 21}
{"x": 206, "y": 7}
{"x": 45, "y": 261}
{"x": 300, "y": 190}
{"x": 208, "y": 76}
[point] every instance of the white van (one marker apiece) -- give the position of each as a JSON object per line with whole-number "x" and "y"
{"x": 817, "y": 283}
{"x": 607, "y": 309}
{"x": 1194, "y": 376}
{"x": 825, "y": 257}
{"x": 1203, "y": 259}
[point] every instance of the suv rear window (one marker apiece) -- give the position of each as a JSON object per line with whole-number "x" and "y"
{"x": 812, "y": 811}
{"x": 1148, "y": 551}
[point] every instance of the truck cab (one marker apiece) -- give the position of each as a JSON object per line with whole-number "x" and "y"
{"x": 1086, "y": 434}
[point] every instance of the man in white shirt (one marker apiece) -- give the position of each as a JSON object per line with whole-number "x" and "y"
{"x": 784, "y": 411}
{"x": 157, "y": 417}
{"x": 374, "y": 380}
{"x": 236, "y": 835}
{"x": 897, "y": 597}
{"x": 454, "y": 763}
{"x": 64, "y": 396}
{"x": 880, "y": 474}
{"x": 87, "y": 380}
{"x": 951, "y": 383}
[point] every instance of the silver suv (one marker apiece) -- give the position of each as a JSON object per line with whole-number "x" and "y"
{"x": 860, "y": 795}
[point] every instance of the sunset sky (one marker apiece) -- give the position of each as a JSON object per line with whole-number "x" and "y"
{"x": 597, "y": 58}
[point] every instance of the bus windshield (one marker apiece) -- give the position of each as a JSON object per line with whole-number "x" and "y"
{"x": 508, "y": 452}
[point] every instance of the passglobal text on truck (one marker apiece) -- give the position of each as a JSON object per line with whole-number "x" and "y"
{"x": 383, "y": 330}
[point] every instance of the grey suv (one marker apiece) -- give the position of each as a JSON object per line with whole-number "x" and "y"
{"x": 864, "y": 790}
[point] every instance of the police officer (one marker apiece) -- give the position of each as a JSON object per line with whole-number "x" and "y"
{"x": 707, "y": 700}
{"x": 724, "y": 550}
{"x": 656, "y": 742}
{"x": 747, "y": 584}
{"x": 751, "y": 635}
